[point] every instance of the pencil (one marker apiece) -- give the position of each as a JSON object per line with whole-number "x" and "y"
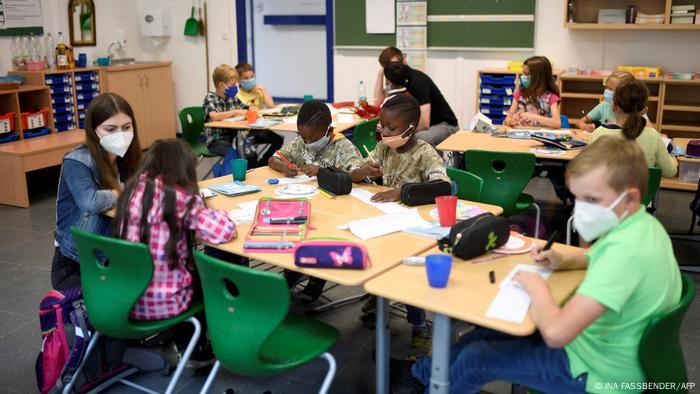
{"x": 550, "y": 241}
{"x": 369, "y": 154}
{"x": 326, "y": 194}
{"x": 287, "y": 162}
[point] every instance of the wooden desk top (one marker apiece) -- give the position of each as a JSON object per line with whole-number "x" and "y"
{"x": 464, "y": 140}
{"x": 44, "y": 143}
{"x": 326, "y": 214}
{"x": 281, "y": 127}
{"x": 675, "y": 183}
{"x": 469, "y": 293}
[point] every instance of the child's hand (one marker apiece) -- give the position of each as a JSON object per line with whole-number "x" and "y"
{"x": 387, "y": 196}
{"x": 515, "y": 119}
{"x": 372, "y": 170}
{"x": 529, "y": 281}
{"x": 290, "y": 172}
{"x": 527, "y": 117}
{"x": 547, "y": 258}
{"x": 590, "y": 127}
{"x": 309, "y": 169}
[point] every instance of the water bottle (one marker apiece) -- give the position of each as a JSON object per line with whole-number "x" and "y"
{"x": 17, "y": 60}
{"x": 361, "y": 94}
{"x": 35, "y": 49}
{"x": 571, "y": 11}
{"x": 50, "y": 51}
{"x": 24, "y": 51}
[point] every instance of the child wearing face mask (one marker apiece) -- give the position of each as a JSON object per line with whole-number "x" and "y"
{"x": 90, "y": 181}
{"x": 602, "y": 114}
{"x": 252, "y": 93}
{"x": 401, "y": 158}
{"x": 631, "y": 277}
{"x": 315, "y": 147}
{"x": 629, "y": 102}
{"x": 536, "y": 89}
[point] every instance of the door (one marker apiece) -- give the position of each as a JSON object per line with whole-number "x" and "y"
{"x": 129, "y": 85}
{"x": 159, "y": 103}
{"x": 289, "y": 43}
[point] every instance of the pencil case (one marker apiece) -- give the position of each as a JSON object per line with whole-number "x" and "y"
{"x": 279, "y": 225}
{"x": 335, "y": 180}
{"x": 331, "y": 253}
{"x": 476, "y": 236}
{"x": 421, "y": 193}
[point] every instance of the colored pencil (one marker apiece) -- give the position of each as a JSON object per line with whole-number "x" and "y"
{"x": 287, "y": 162}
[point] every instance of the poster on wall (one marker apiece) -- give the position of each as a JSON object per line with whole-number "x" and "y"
{"x": 379, "y": 16}
{"x": 20, "y": 17}
{"x": 412, "y": 13}
{"x": 416, "y": 59}
{"x": 412, "y": 37}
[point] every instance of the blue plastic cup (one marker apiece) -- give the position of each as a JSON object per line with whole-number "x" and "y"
{"x": 438, "y": 267}
{"x": 239, "y": 168}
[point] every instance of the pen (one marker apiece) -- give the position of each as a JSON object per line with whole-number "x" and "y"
{"x": 550, "y": 241}
{"x": 492, "y": 277}
{"x": 489, "y": 258}
{"x": 287, "y": 162}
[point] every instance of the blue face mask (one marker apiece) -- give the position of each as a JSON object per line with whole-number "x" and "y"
{"x": 608, "y": 95}
{"x": 524, "y": 81}
{"x": 248, "y": 84}
{"x": 321, "y": 143}
{"x": 231, "y": 91}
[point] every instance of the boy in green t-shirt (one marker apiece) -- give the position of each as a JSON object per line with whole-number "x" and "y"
{"x": 589, "y": 344}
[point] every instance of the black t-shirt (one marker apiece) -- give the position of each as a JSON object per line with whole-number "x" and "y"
{"x": 426, "y": 92}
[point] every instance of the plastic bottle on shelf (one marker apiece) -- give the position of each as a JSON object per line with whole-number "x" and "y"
{"x": 36, "y": 59}
{"x": 17, "y": 60}
{"x": 62, "y": 57}
{"x": 50, "y": 51}
{"x": 24, "y": 51}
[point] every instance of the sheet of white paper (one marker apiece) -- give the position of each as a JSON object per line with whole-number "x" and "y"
{"x": 291, "y": 119}
{"x": 346, "y": 111}
{"x": 386, "y": 224}
{"x": 509, "y": 282}
{"x": 666, "y": 141}
{"x": 296, "y": 179}
{"x": 366, "y": 197}
{"x": 249, "y": 205}
{"x": 379, "y": 16}
{"x": 510, "y": 304}
{"x": 345, "y": 118}
{"x": 235, "y": 119}
{"x": 205, "y": 192}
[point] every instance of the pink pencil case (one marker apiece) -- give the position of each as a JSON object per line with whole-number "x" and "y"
{"x": 331, "y": 253}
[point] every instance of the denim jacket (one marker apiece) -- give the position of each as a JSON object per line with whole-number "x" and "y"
{"x": 80, "y": 201}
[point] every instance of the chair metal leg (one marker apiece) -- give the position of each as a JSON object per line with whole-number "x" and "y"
{"x": 186, "y": 356}
{"x": 91, "y": 345}
{"x": 537, "y": 220}
{"x": 210, "y": 378}
{"x": 336, "y": 303}
{"x": 138, "y": 387}
{"x": 569, "y": 227}
{"x": 330, "y": 374}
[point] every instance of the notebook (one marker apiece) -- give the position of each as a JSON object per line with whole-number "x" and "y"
{"x": 234, "y": 188}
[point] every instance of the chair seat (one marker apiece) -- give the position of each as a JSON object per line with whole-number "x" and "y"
{"x": 296, "y": 341}
{"x": 144, "y": 328}
{"x": 524, "y": 202}
{"x": 202, "y": 150}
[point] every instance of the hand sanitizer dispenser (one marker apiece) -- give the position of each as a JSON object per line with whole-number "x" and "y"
{"x": 156, "y": 22}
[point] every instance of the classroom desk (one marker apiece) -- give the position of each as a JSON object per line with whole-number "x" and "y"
{"x": 385, "y": 252}
{"x": 464, "y": 140}
{"x": 466, "y": 297}
{"x": 243, "y": 125}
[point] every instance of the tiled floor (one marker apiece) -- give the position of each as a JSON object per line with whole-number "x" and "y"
{"x": 26, "y": 248}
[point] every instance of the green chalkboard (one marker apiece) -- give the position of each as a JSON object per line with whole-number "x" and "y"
{"x": 481, "y": 7}
{"x": 350, "y": 27}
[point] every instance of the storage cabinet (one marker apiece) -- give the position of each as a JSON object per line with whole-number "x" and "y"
{"x": 25, "y": 113}
{"x": 586, "y": 14}
{"x": 148, "y": 88}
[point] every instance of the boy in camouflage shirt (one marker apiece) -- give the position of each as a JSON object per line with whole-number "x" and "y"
{"x": 316, "y": 146}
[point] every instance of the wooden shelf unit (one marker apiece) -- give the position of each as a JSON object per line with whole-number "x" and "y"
{"x": 28, "y": 98}
{"x": 586, "y": 15}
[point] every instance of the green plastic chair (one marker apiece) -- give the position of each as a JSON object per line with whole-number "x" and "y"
{"x": 660, "y": 352}
{"x": 650, "y": 197}
{"x": 366, "y": 135}
{"x": 505, "y": 176}
{"x": 192, "y": 122}
{"x": 250, "y": 329}
{"x": 111, "y": 290}
{"x": 469, "y": 186}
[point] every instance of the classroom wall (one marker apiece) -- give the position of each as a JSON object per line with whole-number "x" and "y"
{"x": 455, "y": 71}
{"x": 186, "y": 53}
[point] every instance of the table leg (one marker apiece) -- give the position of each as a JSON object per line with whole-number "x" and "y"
{"x": 240, "y": 144}
{"x": 382, "y": 347}
{"x": 440, "y": 372}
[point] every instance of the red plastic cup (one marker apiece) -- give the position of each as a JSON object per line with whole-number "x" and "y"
{"x": 251, "y": 116}
{"x": 447, "y": 210}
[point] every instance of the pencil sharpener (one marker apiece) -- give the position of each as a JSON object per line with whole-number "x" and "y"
{"x": 273, "y": 181}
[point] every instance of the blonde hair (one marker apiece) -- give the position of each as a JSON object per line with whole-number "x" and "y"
{"x": 620, "y": 76}
{"x": 624, "y": 160}
{"x": 223, "y": 73}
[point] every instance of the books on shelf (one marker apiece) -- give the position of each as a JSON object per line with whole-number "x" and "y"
{"x": 683, "y": 14}
{"x": 649, "y": 19}
{"x": 682, "y": 20}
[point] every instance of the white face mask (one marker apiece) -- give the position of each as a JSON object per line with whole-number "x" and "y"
{"x": 117, "y": 142}
{"x": 593, "y": 220}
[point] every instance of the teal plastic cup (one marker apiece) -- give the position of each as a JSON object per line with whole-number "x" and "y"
{"x": 239, "y": 167}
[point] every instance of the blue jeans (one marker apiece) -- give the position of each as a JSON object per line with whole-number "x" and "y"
{"x": 483, "y": 356}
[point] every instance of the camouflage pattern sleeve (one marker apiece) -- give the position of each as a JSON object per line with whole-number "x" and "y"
{"x": 292, "y": 151}
{"x": 433, "y": 167}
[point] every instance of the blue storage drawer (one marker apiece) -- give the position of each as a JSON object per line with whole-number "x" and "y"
{"x": 60, "y": 89}
{"x": 58, "y": 79}
{"x": 36, "y": 132}
{"x": 64, "y": 118}
{"x": 59, "y": 100}
{"x": 498, "y": 79}
{"x": 87, "y": 76}
{"x": 84, "y": 96}
{"x": 496, "y": 90}
{"x": 492, "y": 99}
{"x": 8, "y": 137}
{"x": 496, "y": 119}
{"x": 497, "y": 110}
{"x": 87, "y": 87}
{"x": 63, "y": 126}
{"x": 62, "y": 109}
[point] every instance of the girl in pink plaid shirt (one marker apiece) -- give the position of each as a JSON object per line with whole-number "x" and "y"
{"x": 161, "y": 207}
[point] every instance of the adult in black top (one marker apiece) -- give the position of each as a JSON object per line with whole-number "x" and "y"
{"x": 437, "y": 121}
